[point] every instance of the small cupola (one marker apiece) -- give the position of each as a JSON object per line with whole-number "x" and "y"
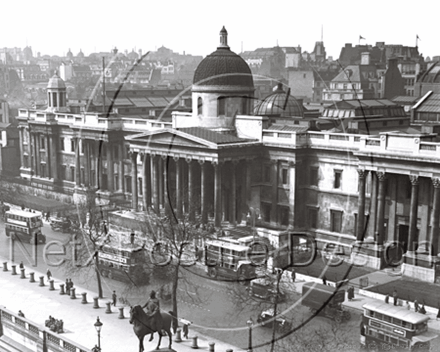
{"x": 56, "y": 94}
{"x": 223, "y": 39}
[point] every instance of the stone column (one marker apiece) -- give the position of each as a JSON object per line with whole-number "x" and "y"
{"x": 37, "y": 154}
{"x": 155, "y": 183}
{"x": 373, "y": 207}
{"x": 98, "y": 164}
{"x": 381, "y": 176}
{"x": 53, "y": 156}
{"x": 87, "y": 166}
{"x": 274, "y": 180}
{"x": 435, "y": 216}
{"x": 191, "y": 198}
{"x": 48, "y": 157}
{"x": 121, "y": 167}
{"x": 248, "y": 182}
{"x": 217, "y": 194}
{"x": 160, "y": 180}
{"x": 413, "y": 212}
{"x": 203, "y": 208}
{"x": 292, "y": 191}
{"x": 361, "y": 205}
{"x": 146, "y": 193}
{"x": 179, "y": 186}
{"x": 233, "y": 213}
{"x": 166, "y": 198}
{"x": 134, "y": 182}
{"x": 77, "y": 164}
{"x": 20, "y": 135}
{"x": 32, "y": 153}
{"x": 110, "y": 168}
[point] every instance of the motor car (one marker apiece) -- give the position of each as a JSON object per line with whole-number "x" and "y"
{"x": 266, "y": 289}
{"x": 267, "y": 318}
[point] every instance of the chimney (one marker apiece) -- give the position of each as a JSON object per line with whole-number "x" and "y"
{"x": 365, "y": 58}
{"x": 348, "y": 45}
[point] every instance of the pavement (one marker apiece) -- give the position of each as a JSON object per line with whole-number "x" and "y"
{"x": 37, "y": 303}
{"x": 363, "y": 295}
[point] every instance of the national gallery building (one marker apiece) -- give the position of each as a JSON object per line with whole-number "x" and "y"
{"x": 361, "y": 176}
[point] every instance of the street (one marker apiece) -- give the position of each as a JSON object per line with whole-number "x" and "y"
{"x": 217, "y": 308}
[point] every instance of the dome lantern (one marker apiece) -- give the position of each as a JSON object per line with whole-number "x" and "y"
{"x": 223, "y": 39}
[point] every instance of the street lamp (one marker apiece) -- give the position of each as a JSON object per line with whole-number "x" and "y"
{"x": 98, "y": 327}
{"x": 249, "y": 323}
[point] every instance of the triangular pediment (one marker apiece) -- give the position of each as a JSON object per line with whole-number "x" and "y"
{"x": 171, "y": 137}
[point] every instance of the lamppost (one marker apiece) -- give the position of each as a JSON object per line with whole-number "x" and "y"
{"x": 251, "y": 218}
{"x": 249, "y": 323}
{"x": 98, "y": 327}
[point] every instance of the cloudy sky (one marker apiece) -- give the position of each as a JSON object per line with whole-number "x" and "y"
{"x": 52, "y": 27}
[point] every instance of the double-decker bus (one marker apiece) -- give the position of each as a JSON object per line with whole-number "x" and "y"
{"x": 386, "y": 327}
{"x": 229, "y": 260}
{"x": 24, "y": 226}
{"x": 124, "y": 262}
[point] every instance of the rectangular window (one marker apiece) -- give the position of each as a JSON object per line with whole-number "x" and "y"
{"x": 42, "y": 146}
{"x": 338, "y": 176}
{"x": 266, "y": 173}
{"x": 284, "y": 176}
{"x": 72, "y": 173}
{"x": 62, "y": 143}
{"x": 221, "y": 106}
{"x": 312, "y": 217}
{"x": 283, "y": 215}
{"x": 313, "y": 176}
{"x": 63, "y": 172}
{"x": 336, "y": 220}
{"x": 72, "y": 145}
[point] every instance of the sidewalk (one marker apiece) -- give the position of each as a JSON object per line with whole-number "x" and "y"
{"x": 363, "y": 296}
{"x": 37, "y": 303}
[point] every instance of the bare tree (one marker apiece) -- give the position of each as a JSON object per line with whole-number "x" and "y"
{"x": 175, "y": 248}
{"x": 89, "y": 233}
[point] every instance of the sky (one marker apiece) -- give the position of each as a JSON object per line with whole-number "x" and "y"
{"x": 193, "y": 26}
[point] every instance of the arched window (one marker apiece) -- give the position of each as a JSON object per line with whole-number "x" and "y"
{"x": 221, "y": 106}
{"x": 199, "y": 106}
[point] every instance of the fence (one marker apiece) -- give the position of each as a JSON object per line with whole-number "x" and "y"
{"x": 33, "y": 336}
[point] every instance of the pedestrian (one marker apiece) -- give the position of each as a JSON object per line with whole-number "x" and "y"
{"x": 71, "y": 283}
{"x": 132, "y": 234}
{"x": 408, "y": 307}
{"x": 350, "y": 293}
{"x": 387, "y": 298}
{"x": 20, "y": 314}
{"x": 49, "y": 274}
{"x": 67, "y": 287}
{"x": 114, "y": 298}
{"x": 422, "y": 310}
{"x": 324, "y": 280}
{"x": 293, "y": 275}
{"x": 395, "y": 297}
{"x": 21, "y": 265}
{"x": 416, "y": 305}
{"x": 185, "y": 328}
{"x": 22, "y": 207}
{"x": 48, "y": 216}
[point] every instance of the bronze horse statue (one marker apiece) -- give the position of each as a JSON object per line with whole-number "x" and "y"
{"x": 141, "y": 325}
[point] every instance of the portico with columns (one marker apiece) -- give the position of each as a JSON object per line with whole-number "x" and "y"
{"x": 398, "y": 211}
{"x": 192, "y": 171}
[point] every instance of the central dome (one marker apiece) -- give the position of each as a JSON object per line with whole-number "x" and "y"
{"x": 223, "y": 68}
